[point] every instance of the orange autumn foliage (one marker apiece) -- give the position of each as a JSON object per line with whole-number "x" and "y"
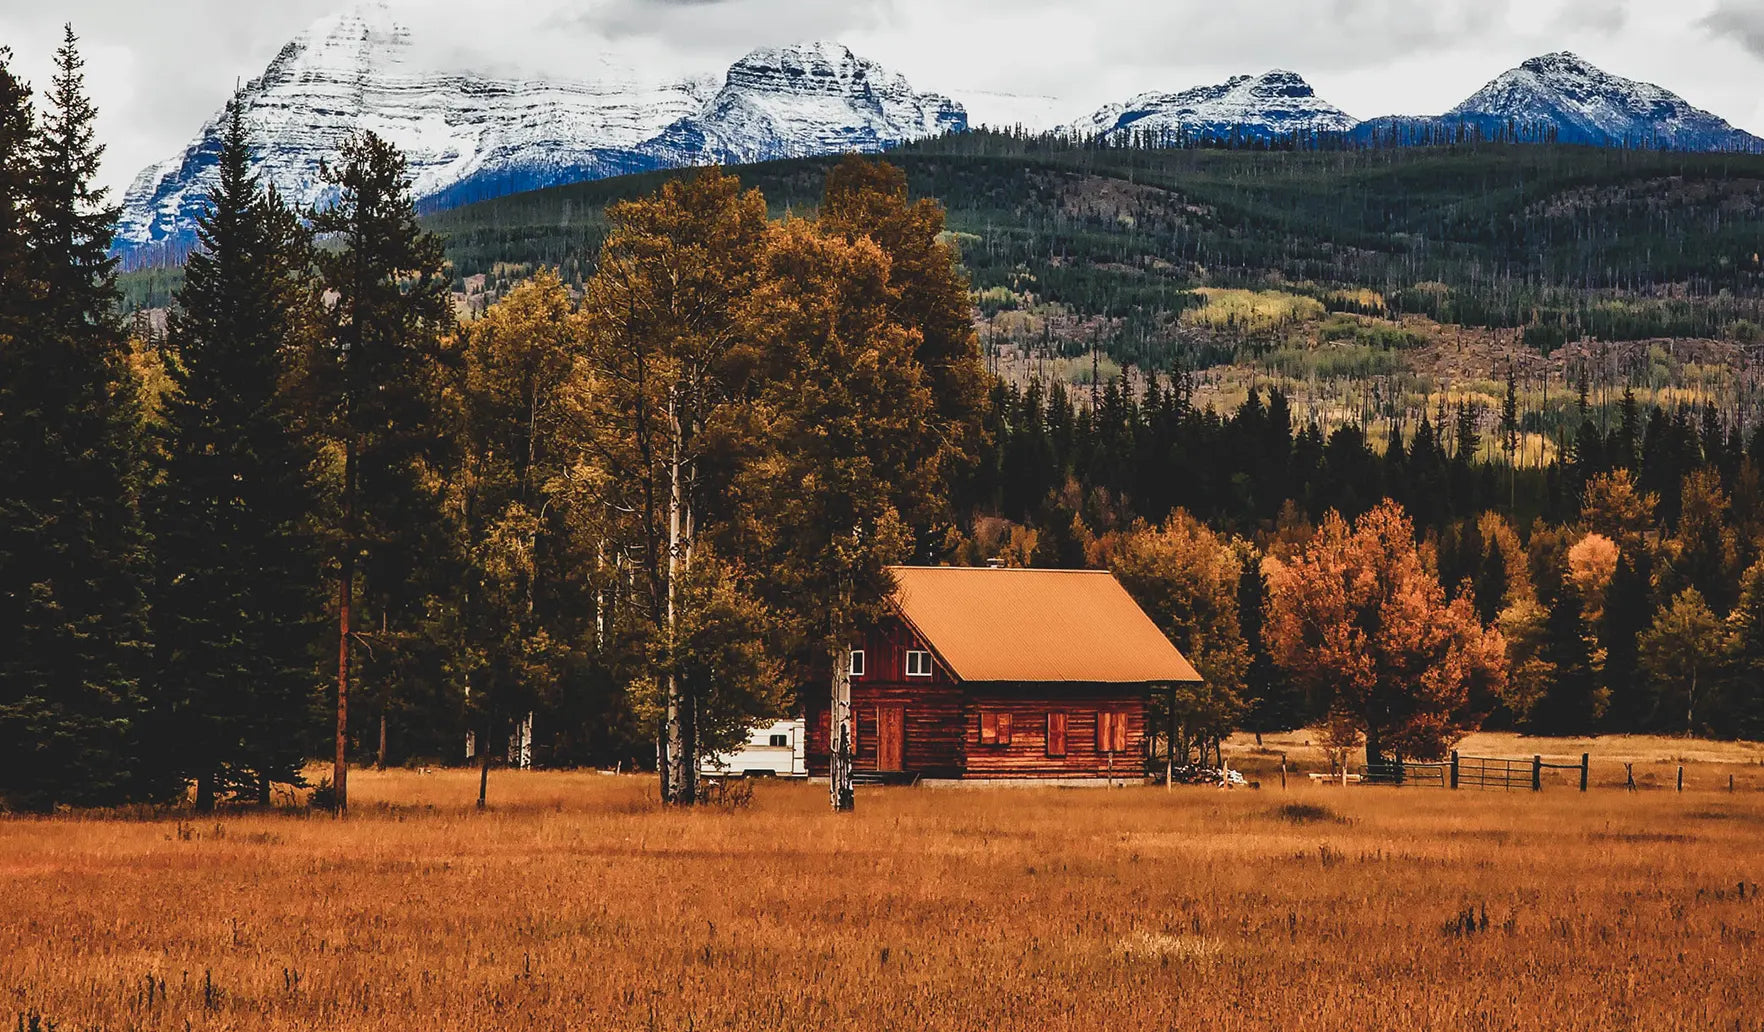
{"x": 1359, "y": 619}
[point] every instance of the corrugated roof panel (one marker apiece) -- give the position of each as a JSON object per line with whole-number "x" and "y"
{"x": 1036, "y": 625}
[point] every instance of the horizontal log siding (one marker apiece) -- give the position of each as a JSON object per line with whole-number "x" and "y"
{"x": 933, "y": 707}
{"x": 1026, "y": 755}
{"x": 933, "y": 727}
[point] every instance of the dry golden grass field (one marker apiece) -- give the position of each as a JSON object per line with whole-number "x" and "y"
{"x": 575, "y": 902}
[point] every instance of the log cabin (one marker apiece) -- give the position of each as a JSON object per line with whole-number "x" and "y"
{"x": 984, "y": 673}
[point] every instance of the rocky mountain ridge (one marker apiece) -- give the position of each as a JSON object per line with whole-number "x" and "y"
{"x": 471, "y": 137}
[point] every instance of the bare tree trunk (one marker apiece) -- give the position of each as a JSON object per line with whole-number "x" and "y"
{"x": 1170, "y": 742}
{"x": 345, "y": 596}
{"x": 839, "y": 779}
{"x": 599, "y": 595}
{"x": 484, "y": 765}
{"x": 205, "y": 792}
{"x": 1690, "y": 705}
{"x": 681, "y": 781}
{"x": 380, "y": 757}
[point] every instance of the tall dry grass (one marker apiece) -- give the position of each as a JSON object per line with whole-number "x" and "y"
{"x": 576, "y": 903}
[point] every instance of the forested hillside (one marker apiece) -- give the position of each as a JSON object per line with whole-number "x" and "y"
{"x": 1614, "y": 244}
{"x": 1373, "y": 286}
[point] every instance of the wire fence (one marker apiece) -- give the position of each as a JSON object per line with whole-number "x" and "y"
{"x": 1503, "y": 773}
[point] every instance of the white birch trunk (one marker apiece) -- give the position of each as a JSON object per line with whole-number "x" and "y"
{"x": 520, "y": 744}
{"x": 839, "y": 734}
{"x": 682, "y": 774}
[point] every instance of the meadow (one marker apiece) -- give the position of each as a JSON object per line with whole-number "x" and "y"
{"x": 576, "y": 902}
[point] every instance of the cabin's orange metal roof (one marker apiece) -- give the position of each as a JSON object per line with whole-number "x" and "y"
{"x": 1036, "y": 625}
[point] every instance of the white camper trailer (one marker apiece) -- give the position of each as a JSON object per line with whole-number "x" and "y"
{"x": 772, "y": 750}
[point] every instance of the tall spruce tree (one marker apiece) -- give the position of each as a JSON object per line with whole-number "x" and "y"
{"x": 391, "y": 302}
{"x": 73, "y": 555}
{"x": 1571, "y": 703}
{"x": 1629, "y": 610}
{"x": 238, "y": 585}
{"x": 18, "y": 282}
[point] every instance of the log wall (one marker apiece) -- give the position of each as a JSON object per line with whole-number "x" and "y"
{"x": 1025, "y": 756}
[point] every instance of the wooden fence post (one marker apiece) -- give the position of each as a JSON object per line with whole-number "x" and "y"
{"x": 1730, "y": 784}
{"x": 1283, "y": 771}
{"x": 1537, "y": 773}
{"x": 1629, "y": 772}
{"x": 1681, "y": 778}
{"x": 1454, "y": 768}
{"x": 1584, "y": 763}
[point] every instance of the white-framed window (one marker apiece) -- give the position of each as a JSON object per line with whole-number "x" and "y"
{"x": 918, "y": 664}
{"x": 777, "y": 741}
{"x": 857, "y": 663}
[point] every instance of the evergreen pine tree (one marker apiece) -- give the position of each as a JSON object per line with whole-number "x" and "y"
{"x": 1629, "y": 610}
{"x": 1743, "y": 699}
{"x": 392, "y": 302}
{"x": 1626, "y": 438}
{"x": 1275, "y": 702}
{"x": 238, "y": 571}
{"x": 17, "y": 279}
{"x": 1571, "y": 703}
{"x": 1491, "y": 581}
{"x": 73, "y": 555}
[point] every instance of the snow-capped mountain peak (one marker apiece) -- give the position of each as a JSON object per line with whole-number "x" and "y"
{"x": 1585, "y": 104}
{"x": 469, "y": 136}
{"x": 1274, "y": 103}
{"x": 801, "y": 100}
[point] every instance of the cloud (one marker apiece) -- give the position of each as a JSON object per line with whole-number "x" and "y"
{"x": 1602, "y": 17}
{"x": 1741, "y": 22}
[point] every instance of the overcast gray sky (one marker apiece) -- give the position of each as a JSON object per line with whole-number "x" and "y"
{"x": 158, "y": 68}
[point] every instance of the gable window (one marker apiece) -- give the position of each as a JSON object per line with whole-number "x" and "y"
{"x": 995, "y": 728}
{"x": 857, "y": 663}
{"x": 1111, "y": 731}
{"x": 918, "y": 664}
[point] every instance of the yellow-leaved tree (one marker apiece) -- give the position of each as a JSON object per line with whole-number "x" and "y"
{"x": 668, "y": 351}
{"x": 1185, "y": 576}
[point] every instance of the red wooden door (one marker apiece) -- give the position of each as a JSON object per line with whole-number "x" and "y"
{"x": 890, "y": 737}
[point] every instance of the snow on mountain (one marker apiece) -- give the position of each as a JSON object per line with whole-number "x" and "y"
{"x": 1271, "y": 104}
{"x": 802, "y": 100}
{"x": 1563, "y": 97}
{"x": 1588, "y": 105}
{"x": 468, "y": 137}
